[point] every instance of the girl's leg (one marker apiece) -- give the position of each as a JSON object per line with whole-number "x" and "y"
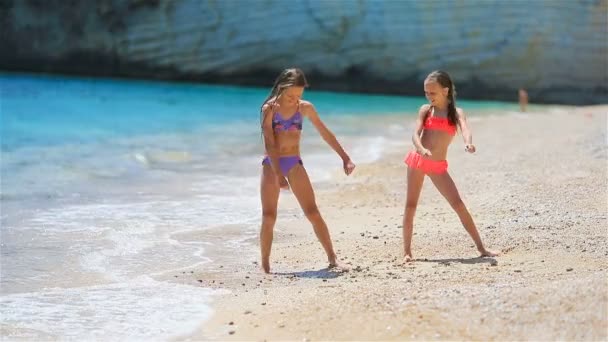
{"x": 302, "y": 189}
{"x": 415, "y": 179}
{"x": 447, "y": 188}
{"x": 269, "y": 191}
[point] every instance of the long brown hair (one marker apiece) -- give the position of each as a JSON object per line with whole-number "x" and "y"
{"x": 444, "y": 79}
{"x": 292, "y": 77}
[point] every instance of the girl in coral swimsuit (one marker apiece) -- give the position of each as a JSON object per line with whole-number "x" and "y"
{"x": 435, "y": 127}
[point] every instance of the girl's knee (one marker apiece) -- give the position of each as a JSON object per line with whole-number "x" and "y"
{"x": 411, "y": 205}
{"x": 312, "y": 212}
{"x": 269, "y": 215}
{"x": 457, "y": 204}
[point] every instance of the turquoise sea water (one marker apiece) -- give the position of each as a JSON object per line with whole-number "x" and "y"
{"x": 102, "y": 180}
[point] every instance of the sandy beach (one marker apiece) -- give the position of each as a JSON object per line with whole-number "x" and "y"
{"x": 537, "y": 189}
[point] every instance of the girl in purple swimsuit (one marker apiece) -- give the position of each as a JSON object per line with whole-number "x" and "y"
{"x": 281, "y": 115}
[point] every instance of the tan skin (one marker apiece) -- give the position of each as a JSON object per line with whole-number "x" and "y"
{"x": 282, "y": 144}
{"x": 433, "y": 144}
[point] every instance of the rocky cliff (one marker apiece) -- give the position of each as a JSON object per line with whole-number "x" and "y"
{"x": 556, "y": 49}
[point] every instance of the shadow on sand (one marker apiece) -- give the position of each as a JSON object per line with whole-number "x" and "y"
{"x": 324, "y": 273}
{"x": 469, "y": 261}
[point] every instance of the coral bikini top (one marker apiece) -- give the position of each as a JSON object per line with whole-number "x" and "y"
{"x": 437, "y": 123}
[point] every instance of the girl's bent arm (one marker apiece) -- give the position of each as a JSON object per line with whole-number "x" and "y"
{"x": 269, "y": 141}
{"x": 419, "y": 126}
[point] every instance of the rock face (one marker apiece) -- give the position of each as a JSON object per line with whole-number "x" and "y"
{"x": 558, "y": 50}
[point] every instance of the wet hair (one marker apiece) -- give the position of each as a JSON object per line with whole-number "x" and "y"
{"x": 292, "y": 77}
{"x": 444, "y": 79}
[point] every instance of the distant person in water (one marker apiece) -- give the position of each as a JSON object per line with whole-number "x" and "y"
{"x": 523, "y": 99}
{"x": 436, "y": 125}
{"x": 282, "y": 115}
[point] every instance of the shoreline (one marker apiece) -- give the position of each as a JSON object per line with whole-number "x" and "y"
{"x": 547, "y": 218}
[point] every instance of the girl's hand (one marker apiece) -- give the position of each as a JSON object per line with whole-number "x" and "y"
{"x": 425, "y": 152}
{"x": 469, "y": 148}
{"x": 349, "y": 166}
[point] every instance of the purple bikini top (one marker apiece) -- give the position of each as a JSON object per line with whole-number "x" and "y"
{"x": 294, "y": 123}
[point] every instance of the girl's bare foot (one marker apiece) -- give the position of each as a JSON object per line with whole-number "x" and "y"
{"x": 408, "y": 258}
{"x": 338, "y": 267}
{"x": 488, "y": 253}
{"x": 335, "y": 266}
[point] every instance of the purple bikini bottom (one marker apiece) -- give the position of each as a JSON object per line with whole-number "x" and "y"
{"x": 285, "y": 163}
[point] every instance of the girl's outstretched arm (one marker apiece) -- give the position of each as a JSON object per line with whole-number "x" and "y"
{"x": 467, "y": 136}
{"x": 422, "y": 112}
{"x": 309, "y": 111}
